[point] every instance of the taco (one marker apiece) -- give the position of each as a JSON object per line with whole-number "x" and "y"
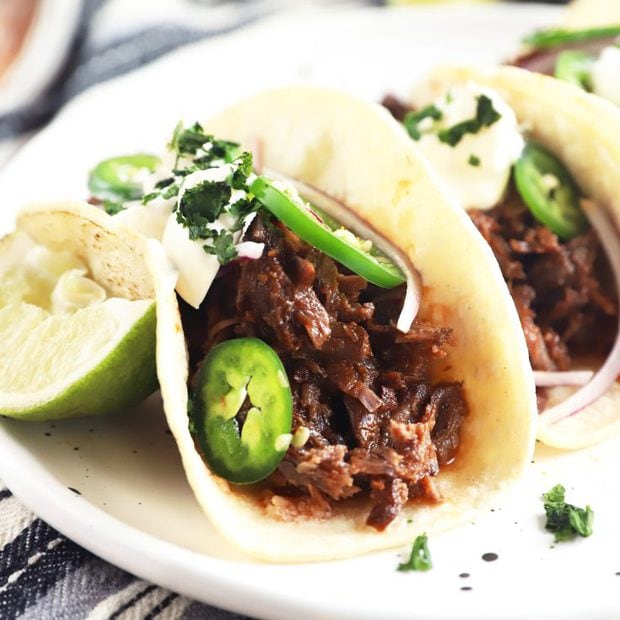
{"x": 535, "y": 163}
{"x": 315, "y": 415}
{"x": 77, "y": 315}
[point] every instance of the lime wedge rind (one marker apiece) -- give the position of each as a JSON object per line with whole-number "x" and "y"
{"x": 110, "y": 378}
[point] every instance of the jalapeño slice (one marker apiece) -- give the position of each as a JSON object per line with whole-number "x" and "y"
{"x": 241, "y": 410}
{"x": 119, "y": 178}
{"x": 549, "y": 192}
{"x": 339, "y": 244}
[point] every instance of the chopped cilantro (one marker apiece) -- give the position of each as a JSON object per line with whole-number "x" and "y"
{"x": 413, "y": 119}
{"x": 565, "y": 520}
{"x": 223, "y": 246}
{"x": 241, "y": 209}
{"x": 201, "y": 205}
{"x": 225, "y": 149}
{"x": 420, "y": 558}
{"x": 151, "y": 196}
{"x": 168, "y": 191}
{"x": 188, "y": 141}
{"x": 164, "y": 183}
{"x": 112, "y": 208}
{"x": 473, "y": 160}
{"x": 240, "y": 175}
{"x": 486, "y": 115}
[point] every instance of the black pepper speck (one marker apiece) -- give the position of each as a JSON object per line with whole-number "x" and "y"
{"x": 464, "y": 575}
{"x": 466, "y": 588}
{"x": 74, "y": 491}
{"x": 489, "y": 557}
{"x": 48, "y": 434}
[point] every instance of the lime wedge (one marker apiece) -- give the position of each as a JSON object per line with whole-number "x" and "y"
{"x": 96, "y": 360}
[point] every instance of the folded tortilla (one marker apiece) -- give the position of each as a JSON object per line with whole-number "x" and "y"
{"x": 355, "y": 152}
{"x": 582, "y": 130}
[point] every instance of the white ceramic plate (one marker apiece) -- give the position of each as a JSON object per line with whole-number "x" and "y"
{"x": 135, "y": 508}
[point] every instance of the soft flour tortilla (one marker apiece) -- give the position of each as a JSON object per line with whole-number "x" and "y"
{"x": 582, "y": 130}
{"x": 354, "y": 151}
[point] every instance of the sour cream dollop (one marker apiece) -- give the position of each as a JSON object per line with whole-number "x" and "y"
{"x": 477, "y": 169}
{"x": 606, "y": 74}
{"x": 197, "y": 269}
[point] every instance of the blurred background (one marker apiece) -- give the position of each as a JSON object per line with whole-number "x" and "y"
{"x": 51, "y": 50}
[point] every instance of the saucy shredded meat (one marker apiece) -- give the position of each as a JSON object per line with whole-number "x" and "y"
{"x": 377, "y": 423}
{"x": 562, "y": 290}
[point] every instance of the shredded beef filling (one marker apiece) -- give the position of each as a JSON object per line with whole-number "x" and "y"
{"x": 378, "y": 425}
{"x": 562, "y": 290}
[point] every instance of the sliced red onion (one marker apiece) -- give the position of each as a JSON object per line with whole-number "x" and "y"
{"x": 369, "y": 399}
{"x": 607, "y": 374}
{"x": 250, "y": 249}
{"x": 362, "y": 228}
{"x": 570, "y": 377}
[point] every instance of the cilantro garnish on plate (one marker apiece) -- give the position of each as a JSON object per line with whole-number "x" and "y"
{"x": 420, "y": 558}
{"x": 565, "y": 520}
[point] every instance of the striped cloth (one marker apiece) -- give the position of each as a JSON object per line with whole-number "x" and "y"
{"x": 43, "y": 575}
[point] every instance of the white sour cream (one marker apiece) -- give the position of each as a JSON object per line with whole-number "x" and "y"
{"x": 476, "y": 171}
{"x": 197, "y": 269}
{"x": 606, "y": 74}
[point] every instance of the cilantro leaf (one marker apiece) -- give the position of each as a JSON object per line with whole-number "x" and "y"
{"x": 420, "y": 558}
{"x": 413, "y": 119}
{"x": 201, "y": 205}
{"x": 223, "y": 246}
{"x": 241, "y": 209}
{"x": 565, "y": 520}
{"x": 486, "y": 115}
{"x": 473, "y": 160}
{"x": 240, "y": 175}
{"x": 226, "y": 150}
{"x": 188, "y": 141}
{"x": 167, "y": 191}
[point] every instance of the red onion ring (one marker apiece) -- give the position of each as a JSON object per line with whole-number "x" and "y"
{"x": 607, "y": 374}
{"x": 362, "y": 228}
{"x": 570, "y": 377}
